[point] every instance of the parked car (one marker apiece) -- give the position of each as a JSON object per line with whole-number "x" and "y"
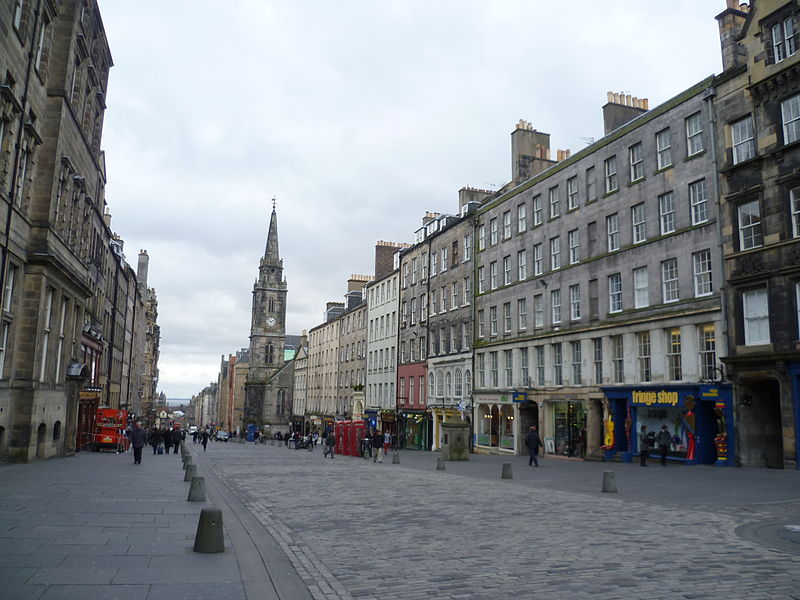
{"x": 222, "y": 436}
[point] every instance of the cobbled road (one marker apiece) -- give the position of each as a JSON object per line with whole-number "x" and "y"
{"x": 356, "y": 529}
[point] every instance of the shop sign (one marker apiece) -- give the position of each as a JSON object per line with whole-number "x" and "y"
{"x": 520, "y": 397}
{"x": 653, "y": 398}
{"x": 711, "y": 393}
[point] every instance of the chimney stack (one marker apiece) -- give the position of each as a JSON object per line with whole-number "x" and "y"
{"x": 530, "y": 152}
{"x": 141, "y": 269}
{"x": 621, "y": 109}
{"x": 731, "y": 21}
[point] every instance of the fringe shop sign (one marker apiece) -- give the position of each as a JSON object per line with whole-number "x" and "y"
{"x": 653, "y": 398}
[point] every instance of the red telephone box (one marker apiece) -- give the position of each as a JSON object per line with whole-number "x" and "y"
{"x": 339, "y": 429}
{"x": 358, "y": 435}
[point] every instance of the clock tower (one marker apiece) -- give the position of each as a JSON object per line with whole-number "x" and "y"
{"x": 267, "y": 331}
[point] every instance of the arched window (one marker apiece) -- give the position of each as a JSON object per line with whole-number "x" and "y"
{"x": 271, "y": 305}
{"x": 56, "y": 430}
{"x": 458, "y": 389}
{"x": 448, "y": 385}
{"x": 270, "y": 354}
{"x": 439, "y": 385}
{"x": 467, "y": 383}
{"x": 280, "y": 405}
{"x": 431, "y": 382}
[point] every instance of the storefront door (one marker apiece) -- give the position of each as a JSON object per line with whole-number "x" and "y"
{"x": 570, "y": 428}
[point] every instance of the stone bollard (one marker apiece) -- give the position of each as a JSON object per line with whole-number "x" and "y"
{"x": 197, "y": 490}
{"x": 272, "y": 442}
{"x": 396, "y": 458}
{"x": 186, "y": 462}
{"x": 609, "y": 482}
{"x": 310, "y": 446}
{"x": 440, "y": 463}
{"x": 507, "y": 473}
{"x": 209, "y": 536}
{"x": 191, "y": 471}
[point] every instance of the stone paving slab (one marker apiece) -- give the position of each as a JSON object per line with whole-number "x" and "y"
{"x": 353, "y": 525}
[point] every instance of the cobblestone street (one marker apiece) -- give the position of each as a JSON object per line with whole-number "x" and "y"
{"x": 355, "y": 529}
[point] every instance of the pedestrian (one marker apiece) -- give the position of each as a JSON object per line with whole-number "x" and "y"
{"x": 533, "y": 442}
{"x": 155, "y": 439}
{"x": 377, "y": 442}
{"x": 330, "y": 442}
{"x": 663, "y": 440}
{"x": 194, "y": 436}
{"x": 644, "y": 446}
{"x": 137, "y": 436}
{"x": 205, "y": 437}
{"x": 387, "y": 442}
{"x": 166, "y": 438}
{"x": 176, "y": 440}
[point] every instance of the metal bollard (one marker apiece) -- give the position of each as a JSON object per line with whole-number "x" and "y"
{"x": 507, "y": 473}
{"x": 440, "y": 463}
{"x": 209, "y": 537}
{"x": 191, "y": 471}
{"x": 197, "y": 490}
{"x": 396, "y": 458}
{"x": 609, "y": 482}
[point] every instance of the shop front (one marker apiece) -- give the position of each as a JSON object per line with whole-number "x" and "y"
{"x": 387, "y": 423}
{"x": 698, "y": 417}
{"x": 494, "y": 418}
{"x": 415, "y": 430}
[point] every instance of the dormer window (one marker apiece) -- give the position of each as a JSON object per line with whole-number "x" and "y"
{"x": 783, "y": 45}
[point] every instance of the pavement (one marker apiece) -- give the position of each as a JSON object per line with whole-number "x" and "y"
{"x": 298, "y": 526}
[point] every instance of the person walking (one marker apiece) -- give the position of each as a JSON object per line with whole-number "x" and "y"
{"x": 176, "y": 440}
{"x": 377, "y": 442}
{"x": 644, "y": 446}
{"x": 205, "y": 437}
{"x": 166, "y": 439}
{"x": 533, "y": 442}
{"x": 330, "y": 442}
{"x": 663, "y": 440}
{"x": 387, "y": 442}
{"x": 136, "y": 437}
{"x": 155, "y": 439}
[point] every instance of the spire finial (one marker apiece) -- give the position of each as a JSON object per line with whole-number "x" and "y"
{"x": 274, "y": 200}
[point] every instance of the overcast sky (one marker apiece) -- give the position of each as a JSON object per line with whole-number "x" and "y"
{"x": 359, "y": 116}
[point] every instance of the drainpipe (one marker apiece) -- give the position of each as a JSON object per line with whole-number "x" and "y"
{"x": 709, "y": 95}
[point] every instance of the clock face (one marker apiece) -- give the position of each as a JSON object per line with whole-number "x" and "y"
{"x": 271, "y": 321}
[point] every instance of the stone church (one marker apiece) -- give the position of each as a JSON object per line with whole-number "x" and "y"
{"x": 268, "y": 390}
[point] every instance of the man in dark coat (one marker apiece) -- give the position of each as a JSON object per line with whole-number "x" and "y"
{"x": 377, "y": 442}
{"x": 533, "y": 442}
{"x": 177, "y": 436}
{"x": 136, "y": 437}
{"x": 205, "y": 437}
{"x": 155, "y": 439}
{"x": 166, "y": 437}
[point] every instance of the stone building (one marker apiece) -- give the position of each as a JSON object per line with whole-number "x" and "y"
{"x": 598, "y": 288}
{"x": 66, "y": 340}
{"x": 351, "y": 358}
{"x": 449, "y": 318}
{"x": 300, "y": 406}
{"x": 757, "y": 127}
{"x": 267, "y": 337}
{"x": 323, "y": 349}
{"x": 381, "y": 295}
{"x": 415, "y": 426}
{"x": 381, "y": 376}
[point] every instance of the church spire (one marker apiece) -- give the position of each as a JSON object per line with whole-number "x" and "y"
{"x": 272, "y": 253}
